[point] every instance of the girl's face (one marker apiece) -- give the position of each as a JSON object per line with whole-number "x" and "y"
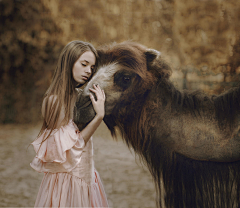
{"x": 83, "y": 67}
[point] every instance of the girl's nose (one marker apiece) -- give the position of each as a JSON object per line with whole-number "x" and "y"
{"x": 88, "y": 70}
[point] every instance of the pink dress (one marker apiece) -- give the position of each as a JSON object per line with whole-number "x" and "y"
{"x": 70, "y": 179}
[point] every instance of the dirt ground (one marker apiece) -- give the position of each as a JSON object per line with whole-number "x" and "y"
{"x": 127, "y": 183}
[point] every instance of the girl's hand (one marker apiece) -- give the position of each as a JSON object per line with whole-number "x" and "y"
{"x": 98, "y": 104}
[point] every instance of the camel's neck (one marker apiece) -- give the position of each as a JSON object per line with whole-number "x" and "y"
{"x": 166, "y": 119}
{"x": 187, "y": 123}
{"x": 185, "y": 102}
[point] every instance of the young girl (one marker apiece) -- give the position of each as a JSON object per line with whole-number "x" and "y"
{"x": 64, "y": 154}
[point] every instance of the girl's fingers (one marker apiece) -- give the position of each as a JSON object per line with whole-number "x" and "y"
{"x": 98, "y": 103}
{"x": 92, "y": 98}
{"x": 98, "y": 91}
{"x": 104, "y": 96}
{"x": 93, "y": 90}
{"x": 97, "y": 87}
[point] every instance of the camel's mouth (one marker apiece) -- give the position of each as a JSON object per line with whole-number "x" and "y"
{"x": 84, "y": 105}
{"x": 82, "y": 102}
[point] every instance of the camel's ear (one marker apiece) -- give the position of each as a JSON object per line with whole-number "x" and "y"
{"x": 157, "y": 65}
{"x": 151, "y": 55}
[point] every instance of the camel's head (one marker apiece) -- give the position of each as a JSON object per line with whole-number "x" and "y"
{"x": 126, "y": 72}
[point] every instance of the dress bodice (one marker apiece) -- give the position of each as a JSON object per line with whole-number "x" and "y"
{"x": 64, "y": 151}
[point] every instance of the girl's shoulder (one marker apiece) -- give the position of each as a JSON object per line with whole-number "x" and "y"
{"x": 53, "y": 111}
{"x": 48, "y": 104}
{"x": 48, "y": 101}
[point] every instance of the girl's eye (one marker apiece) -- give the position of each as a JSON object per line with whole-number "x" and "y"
{"x": 84, "y": 64}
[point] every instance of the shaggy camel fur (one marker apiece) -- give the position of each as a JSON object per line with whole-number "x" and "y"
{"x": 189, "y": 141}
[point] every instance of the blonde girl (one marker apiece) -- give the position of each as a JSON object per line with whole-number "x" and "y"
{"x": 64, "y": 154}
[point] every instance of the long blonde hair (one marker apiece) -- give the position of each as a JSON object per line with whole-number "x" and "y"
{"x": 63, "y": 85}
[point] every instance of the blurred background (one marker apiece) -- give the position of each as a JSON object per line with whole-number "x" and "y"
{"x": 200, "y": 39}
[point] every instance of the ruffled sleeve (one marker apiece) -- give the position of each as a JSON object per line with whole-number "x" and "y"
{"x": 61, "y": 152}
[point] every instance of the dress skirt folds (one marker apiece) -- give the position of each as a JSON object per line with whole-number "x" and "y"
{"x": 70, "y": 179}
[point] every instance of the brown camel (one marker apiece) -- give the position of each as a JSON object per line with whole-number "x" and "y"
{"x": 189, "y": 141}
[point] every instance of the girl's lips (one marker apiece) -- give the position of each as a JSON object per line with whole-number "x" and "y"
{"x": 85, "y": 78}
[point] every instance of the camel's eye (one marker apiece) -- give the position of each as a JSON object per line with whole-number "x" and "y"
{"x": 123, "y": 79}
{"x": 126, "y": 79}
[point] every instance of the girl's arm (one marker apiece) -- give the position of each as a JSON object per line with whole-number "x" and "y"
{"x": 98, "y": 106}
